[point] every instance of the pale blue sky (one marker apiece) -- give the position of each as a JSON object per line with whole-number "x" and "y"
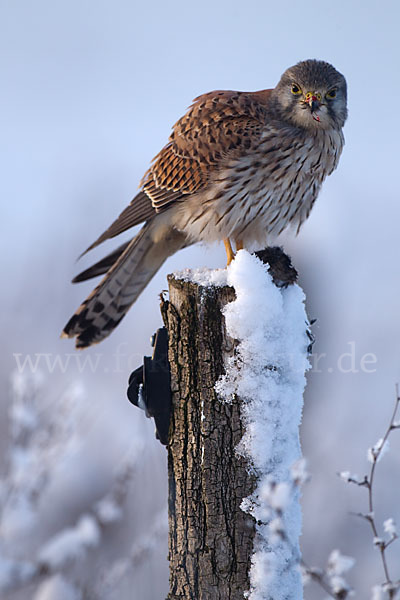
{"x": 90, "y": 90}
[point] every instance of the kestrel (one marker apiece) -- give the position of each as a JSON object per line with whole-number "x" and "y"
{"x": 239, "y": 166}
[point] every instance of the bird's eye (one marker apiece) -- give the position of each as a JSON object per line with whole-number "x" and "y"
{"x": 331, "y": 94}
{"x": 295, "y": 89}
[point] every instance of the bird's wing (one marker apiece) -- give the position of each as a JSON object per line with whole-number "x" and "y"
{"x": 101, "y": 266}
{"x": 217, "y": 126}
{"x": 140, "y": 209}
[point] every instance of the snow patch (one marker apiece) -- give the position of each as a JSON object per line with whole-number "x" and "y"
{"x": 204, "y": 276}
{"x": 57, "y": 588}
{"x": 378, "y": 593}
{"x": 338, "y": 563}
{"x": 108, "y": 511}
{"x": 268, "y": 374}
{"x": 377, "y": 452}
{"x": 389, "y": 526}
{"x": 71, "y": 543}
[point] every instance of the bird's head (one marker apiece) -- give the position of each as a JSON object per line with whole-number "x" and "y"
{"x": 312, "y": 95}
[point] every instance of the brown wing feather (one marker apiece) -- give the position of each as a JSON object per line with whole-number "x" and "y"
{"x": 101, "y": 266}
{"x": 216, "y": 126}
{"x": 139, "y": 210}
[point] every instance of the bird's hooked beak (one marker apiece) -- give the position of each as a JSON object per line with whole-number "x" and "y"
{"x": 313, "y": 99}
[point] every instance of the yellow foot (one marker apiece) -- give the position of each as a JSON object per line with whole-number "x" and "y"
{"x": 239, "y": 245}
{"x": 229, "y": 252}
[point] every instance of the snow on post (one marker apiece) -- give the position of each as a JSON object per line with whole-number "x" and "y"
{"x": 268, "y": 374}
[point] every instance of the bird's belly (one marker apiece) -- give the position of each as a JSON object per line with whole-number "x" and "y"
{"x": 251, "y": 209}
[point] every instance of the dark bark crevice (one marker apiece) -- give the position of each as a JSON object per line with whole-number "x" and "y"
{"x": 211, "y": 538}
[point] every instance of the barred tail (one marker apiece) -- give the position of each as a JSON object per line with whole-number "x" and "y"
{"x": 109, "y": 302}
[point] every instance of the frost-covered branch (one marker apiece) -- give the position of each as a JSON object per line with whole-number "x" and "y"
{"x": 40, "y": 439}
{"x": 43, "y": 433}
{"x": 140, "y": 551}
{"x": 71, "y": 544}
{"x": 374, "y": 454}
{"x": 331, "y": 579}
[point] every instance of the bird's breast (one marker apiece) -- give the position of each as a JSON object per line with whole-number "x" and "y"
{"x": 259, "y": 194}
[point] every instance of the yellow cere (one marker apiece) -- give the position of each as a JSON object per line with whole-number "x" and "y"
{"x": 317, "y": 95}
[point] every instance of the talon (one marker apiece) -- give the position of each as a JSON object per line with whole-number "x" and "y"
{"x": 229, "y": 252}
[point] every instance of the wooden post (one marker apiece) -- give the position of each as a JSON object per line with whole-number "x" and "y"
{"x": 210, "y": 537}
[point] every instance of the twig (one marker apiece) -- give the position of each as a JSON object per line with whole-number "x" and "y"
{"x": 375, "y": 454}
{"x": 318, "y": 575}
{"x": 389, "y": 586}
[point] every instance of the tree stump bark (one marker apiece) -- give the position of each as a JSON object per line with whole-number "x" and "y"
{"x": 211, "y": 540}
{"x": 210, "y": 537}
